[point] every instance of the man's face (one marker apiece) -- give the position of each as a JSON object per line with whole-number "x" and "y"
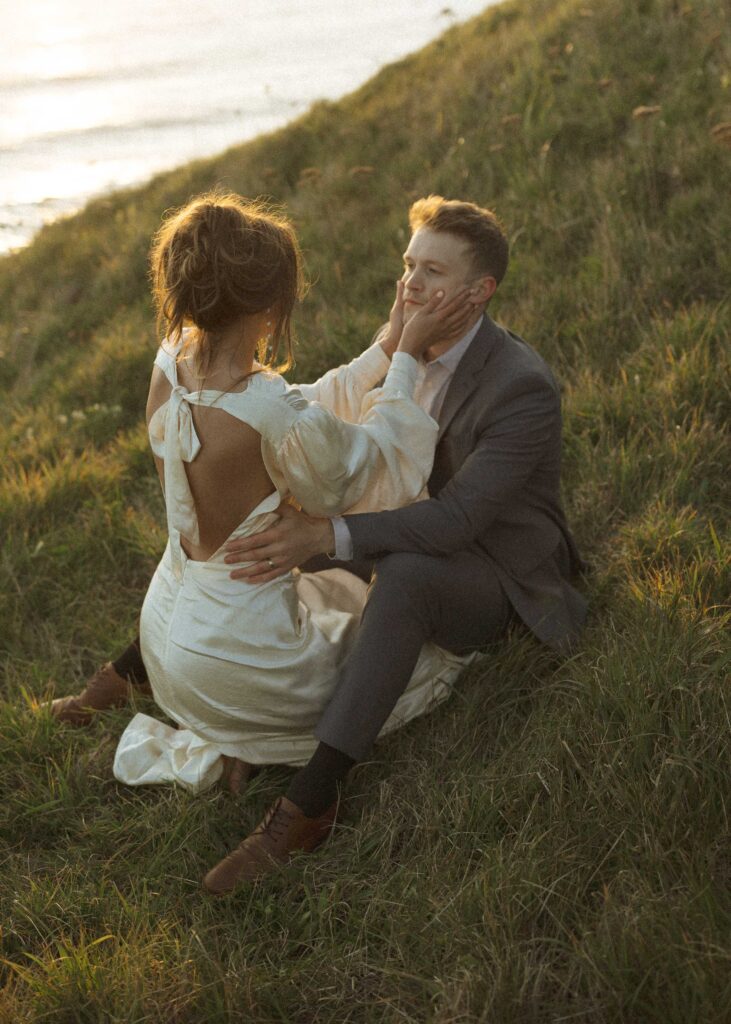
{"x": 434, "y": 261}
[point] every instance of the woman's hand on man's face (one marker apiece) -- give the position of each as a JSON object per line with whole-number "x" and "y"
{"x": 389, "y": 342}
{"x": 440, "y": 319}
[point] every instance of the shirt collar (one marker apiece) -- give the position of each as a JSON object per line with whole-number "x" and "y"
{"x": 450, "y": 359}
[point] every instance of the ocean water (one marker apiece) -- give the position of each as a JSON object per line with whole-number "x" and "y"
{"x": 100, "y": 94}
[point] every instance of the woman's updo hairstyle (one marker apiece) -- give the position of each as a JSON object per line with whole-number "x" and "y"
{"x": 221, "y": 257}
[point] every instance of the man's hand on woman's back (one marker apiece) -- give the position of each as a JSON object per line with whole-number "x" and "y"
{"x": 292, "y": 541}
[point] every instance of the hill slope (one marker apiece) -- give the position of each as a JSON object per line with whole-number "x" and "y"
{"x": 554, "y": 841}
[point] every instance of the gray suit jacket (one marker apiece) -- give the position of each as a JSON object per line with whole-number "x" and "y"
{"x": 495, "y": 486}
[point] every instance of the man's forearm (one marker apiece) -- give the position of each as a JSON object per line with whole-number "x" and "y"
{"x": 489, "y": 480}
{"x": 432, "y": 530}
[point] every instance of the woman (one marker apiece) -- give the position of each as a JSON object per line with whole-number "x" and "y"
{"x": 245, "y": 671}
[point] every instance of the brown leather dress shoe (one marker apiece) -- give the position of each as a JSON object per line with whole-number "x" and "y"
{"x": 284, "y": 830}
{"x": 106, "y": 689}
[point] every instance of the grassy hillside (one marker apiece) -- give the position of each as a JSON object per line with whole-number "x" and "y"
{"x": 552, "y": 844}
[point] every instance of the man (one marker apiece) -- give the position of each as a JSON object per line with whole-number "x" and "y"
{"x": 490, "y": 544}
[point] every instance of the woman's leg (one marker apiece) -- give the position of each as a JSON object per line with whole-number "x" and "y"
{"x": 110, "y": 687}
{"x": 130, "y": 666}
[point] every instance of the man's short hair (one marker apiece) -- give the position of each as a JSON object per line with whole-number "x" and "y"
{"x": 479, "y": 227}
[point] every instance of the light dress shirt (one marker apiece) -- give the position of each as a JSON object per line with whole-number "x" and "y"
{"x": 432, "y": 380}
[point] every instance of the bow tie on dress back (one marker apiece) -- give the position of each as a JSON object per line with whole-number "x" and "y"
{"x": 181, "y": 444}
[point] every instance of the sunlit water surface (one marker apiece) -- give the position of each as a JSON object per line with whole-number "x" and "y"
{"x": 99, "y": 94}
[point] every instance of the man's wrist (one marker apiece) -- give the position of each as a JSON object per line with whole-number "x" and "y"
{"x": 343, "y": 541}
{"x": 326, "y": 538}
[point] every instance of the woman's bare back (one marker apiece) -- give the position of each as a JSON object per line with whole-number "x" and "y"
{"x": 227, "y": 478}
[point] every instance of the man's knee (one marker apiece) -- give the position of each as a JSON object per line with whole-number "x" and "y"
{"x": 459, "y": 602}
{"x": 404, "y": 576}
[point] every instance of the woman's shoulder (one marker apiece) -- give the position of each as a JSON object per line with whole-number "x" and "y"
{"x": 166, "y": 357}
{"x": 277, "y": 408}
{"x": 168, "y": 348}
{"x": 275, "y": 386}
{"x": 164, "y": 364}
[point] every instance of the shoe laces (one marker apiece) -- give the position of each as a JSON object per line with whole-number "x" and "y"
{"x": 276, "y": 821}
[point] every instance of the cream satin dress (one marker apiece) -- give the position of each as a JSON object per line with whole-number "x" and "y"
{"x": 246, "y": 670}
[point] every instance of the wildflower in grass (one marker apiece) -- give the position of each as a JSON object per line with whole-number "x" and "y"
{"x": 722, "y": 133}
{"x": 310, "y": 176}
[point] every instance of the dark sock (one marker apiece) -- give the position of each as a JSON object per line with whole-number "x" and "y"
{"x": 130, "y": 665}
{"x": 315, "y": 787}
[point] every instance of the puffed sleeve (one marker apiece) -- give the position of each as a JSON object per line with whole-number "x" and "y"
{"x": 343, "y": 389}
{"x": 331, "y": 466}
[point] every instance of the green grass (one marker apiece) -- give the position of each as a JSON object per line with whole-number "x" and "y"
{"x": 553, "y": 843}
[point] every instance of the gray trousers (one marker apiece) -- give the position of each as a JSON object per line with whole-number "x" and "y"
{"x": 455, "y": 601}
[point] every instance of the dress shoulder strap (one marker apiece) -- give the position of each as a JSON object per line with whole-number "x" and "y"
{"x": 166, "y": 360}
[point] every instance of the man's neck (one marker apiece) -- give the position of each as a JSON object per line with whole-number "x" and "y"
{"x": 440, "y": 347}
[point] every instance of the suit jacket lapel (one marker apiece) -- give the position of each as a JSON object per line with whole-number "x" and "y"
{"x": 467, "y": 375}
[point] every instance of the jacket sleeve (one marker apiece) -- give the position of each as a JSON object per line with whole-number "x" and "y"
{"x": 507, "y": 452}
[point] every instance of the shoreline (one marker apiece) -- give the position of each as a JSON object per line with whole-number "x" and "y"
{"x": 87, "y": 124}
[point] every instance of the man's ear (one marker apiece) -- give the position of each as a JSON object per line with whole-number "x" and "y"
{"x": 484, "y": 289}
